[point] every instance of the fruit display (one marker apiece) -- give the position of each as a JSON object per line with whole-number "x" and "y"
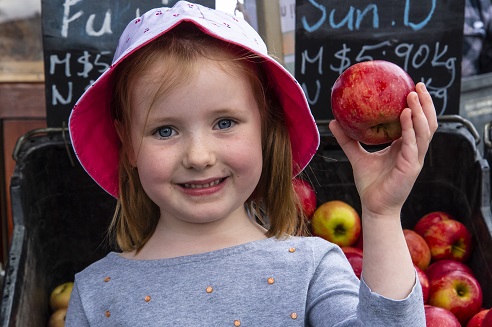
{"x": 354, "y": 257}
{"x": 487, "y": 319}
{"x": 59, "y": 299}
{"x": 439, "y": 317}
{"x": 306, "y": 195}
{"x": 452, "y": 294}
{"x": 337, "y": 222}
{"x": 368, "y": 98}
{"x": 419, "y": 250}
{"x": 477, "y": 319}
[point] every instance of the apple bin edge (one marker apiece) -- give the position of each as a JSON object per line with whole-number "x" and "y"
{"x": 60, "y": 220}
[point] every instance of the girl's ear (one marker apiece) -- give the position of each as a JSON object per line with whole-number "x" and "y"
{"x": 125, "y": 142}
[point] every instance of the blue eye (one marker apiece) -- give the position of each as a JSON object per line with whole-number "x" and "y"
{"x": 225, "y": 123}
{"x": 165, "y": 132}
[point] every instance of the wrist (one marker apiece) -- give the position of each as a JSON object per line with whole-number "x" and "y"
{"x": 383, "y": 215}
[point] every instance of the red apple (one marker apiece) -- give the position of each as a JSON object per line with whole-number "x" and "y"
{"x": 487, "y": 319}
{"x": 429, "y": 219}
{"x": 60, "y": 296}
{"x": 439, "y": 317}
{"x": 57, "y": 318}
{"x": 360, "y": 242}
{"x": 418, "y": 248}
{"x": 458, "y": 292}
{"x": 368, "y": 98}
{"x": 306, "y": 195}
{"x": 477, "y": 319}
{"x": 449, "y": 239}
{"x": 354, "y": 257}
{"x": 336, "y": 221}
{"x": 424, "y": 282}
{"x": 442, "y": 267}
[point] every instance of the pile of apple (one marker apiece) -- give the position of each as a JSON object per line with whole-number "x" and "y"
{"x": 59, "y": 298}
{"x": 439, "y": 246}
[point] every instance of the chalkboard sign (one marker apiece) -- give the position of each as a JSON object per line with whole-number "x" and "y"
{"x": 423, "y": 37}
{"x": 79, "y": 39}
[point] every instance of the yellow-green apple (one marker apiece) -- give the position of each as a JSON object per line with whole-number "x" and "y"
{"x": 418, "y": 248}
{"x": 368, "y": 98}
{"x": 458, "y": 292}
{"x": 439, "y": 317}
{"x": 57, "y": 318}
{"x": 424, "y": 283}
{"x": 487, "y": 319}
{"x": 442, "y": 267}
{"x": 429, "y": 219}
{"x": 60, "y": 296}
{"x": 354, "y": 256}
{"x": 449, "y": 239}
{"x": 306, "y": 195}
{"x": 477, "y": 319}
{"x": 336, "y": 221}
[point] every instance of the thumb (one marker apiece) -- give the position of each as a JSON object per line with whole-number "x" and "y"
{"x": 351, "y": 147}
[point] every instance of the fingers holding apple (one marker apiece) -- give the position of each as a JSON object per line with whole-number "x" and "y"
{"x": 368, "y": 98}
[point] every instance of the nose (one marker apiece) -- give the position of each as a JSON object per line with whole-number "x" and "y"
{"x": 199, "y": 153}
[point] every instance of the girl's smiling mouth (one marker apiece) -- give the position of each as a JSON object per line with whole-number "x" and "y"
{"x": 199, "y": 185}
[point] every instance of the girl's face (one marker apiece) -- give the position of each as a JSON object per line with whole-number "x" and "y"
{"x": 198, "y": 150}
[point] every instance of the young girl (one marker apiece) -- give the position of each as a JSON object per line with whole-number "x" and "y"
{"x": 198, "y": 133}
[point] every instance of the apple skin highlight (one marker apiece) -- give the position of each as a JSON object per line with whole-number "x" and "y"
{"x": 368, "y": 98}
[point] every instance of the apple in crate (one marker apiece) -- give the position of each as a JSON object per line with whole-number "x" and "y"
{"x": 354, "y": 256}
{"x": 429, "y": 219}
{"x": 439, "y": 317}
{"x": 477, "y": 319}
{"x": 57, "y": 318}
{"x": 487, "y": 320}
{"x": 60, "y": 296}
{"x": 442, "y": 267}
{"x": 449, "y": 239}
{"x": 418, "y": 248}
{"x": 458, "y": 292}
{"x": 336, "y": 221}
{"x": 424, "y": 283}
{"x": 306, "y": 195}
{"x": 368, "y": 98}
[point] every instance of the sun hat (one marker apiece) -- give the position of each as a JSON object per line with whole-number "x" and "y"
{"x": 91, "y": 127}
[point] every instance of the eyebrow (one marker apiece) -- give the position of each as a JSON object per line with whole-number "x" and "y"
{"x": 169, "y": 119}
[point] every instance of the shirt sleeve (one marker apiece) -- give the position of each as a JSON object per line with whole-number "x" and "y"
{"x": 76, "y": 315}
{"x": 336, "y": 297}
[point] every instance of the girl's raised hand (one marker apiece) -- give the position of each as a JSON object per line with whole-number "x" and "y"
{"x": 385, "y": 178}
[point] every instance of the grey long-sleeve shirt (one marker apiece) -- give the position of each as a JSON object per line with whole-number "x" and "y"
{"x": 300, "y": 281}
